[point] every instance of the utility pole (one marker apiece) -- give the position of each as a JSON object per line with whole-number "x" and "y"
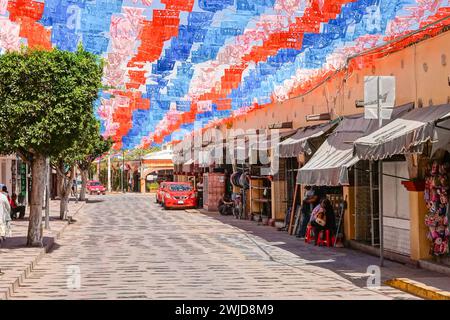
{"x": 109, "y": 172}
{"x": 98, "y": 168}
{"x": 140, "y": 175}
{"x": 376, "y": 106}
{"x": 380, "y": 181}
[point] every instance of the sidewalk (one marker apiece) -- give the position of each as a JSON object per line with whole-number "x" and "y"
{"x": 17, "y": 260}
{"x": 350, "y": 263}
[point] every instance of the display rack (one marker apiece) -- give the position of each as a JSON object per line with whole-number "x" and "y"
{"x": 260, "y": 197}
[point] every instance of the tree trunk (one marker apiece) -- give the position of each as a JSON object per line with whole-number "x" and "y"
{"x": 63, "y": 207}
{"x": 60, "y": 183}
{"x": 84, "y": 178}
{"x": 66, "y": 188}
{"x": 37, "y": 194}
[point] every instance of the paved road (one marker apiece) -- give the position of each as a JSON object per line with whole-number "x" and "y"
{"x": 125, "y": 246}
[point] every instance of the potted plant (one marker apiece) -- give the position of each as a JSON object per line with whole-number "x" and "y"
{"x": 415, "y": 184}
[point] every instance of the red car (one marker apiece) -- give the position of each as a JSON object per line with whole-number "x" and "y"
{"x": 95, "y": 187}
{"x": 179, "y": 195}
{"x": 160, "y": 192}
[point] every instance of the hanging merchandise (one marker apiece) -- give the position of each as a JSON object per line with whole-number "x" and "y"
{"x": 437, "y": 199}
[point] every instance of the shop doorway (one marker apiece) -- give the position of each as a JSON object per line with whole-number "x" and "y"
{"x": 136, "y": 185}
{"x": 367, "y": 229}
{"x": 291, "y": 178}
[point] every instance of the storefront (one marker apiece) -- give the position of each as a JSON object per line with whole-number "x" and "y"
{"x": 8, "y": 172}
{"x": 419, "y": 183}
{"x": 335, "y": 165}
{"x": 269, "y": 194}
{"x": 14, "y": 174}
{"x": 297, "y": 150}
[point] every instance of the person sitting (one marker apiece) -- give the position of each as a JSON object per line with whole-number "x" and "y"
{"x": 15, "y": 208}
{"x": 323, "y": 218}
{"x": 310, "y": 200}
{"x": 225, "y": 205}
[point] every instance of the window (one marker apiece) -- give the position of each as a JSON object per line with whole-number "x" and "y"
{"x": 180, "y": 187}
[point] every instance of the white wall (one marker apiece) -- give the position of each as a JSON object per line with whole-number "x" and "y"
{"x": 5, "y": 172}
{"x": 396, "y": 226}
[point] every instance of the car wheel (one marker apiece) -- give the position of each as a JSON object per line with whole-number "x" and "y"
{"x": 164, "y": 206}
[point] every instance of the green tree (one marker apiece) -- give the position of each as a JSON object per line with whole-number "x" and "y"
{"x": 96, "y": 147}
{"x": 45, "y": 97}
{"x": 136, "y": 154}
{"x": 88, "y": 145}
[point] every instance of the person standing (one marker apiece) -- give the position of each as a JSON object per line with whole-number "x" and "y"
{"x": 5, "y": 217}
{"x": 200, "y": 192}
{"x": 130, "y": 184}
{"x": 6, "y": 193}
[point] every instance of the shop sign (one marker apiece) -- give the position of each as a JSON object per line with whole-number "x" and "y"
{"x": 379, "y": 91}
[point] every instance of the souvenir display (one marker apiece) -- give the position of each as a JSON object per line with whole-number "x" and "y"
{"x": 437, "y": 190}
{"x": 174, "y": 66}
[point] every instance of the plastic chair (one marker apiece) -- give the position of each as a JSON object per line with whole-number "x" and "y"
{"x": 328, "y": 241}
{"x": 309, "y": 236}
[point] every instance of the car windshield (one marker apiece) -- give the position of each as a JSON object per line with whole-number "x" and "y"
{"x": 180, "y": 187}
{"x": 95, "y": 183}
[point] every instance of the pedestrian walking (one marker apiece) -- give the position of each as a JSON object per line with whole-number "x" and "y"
{"x": 5, "y": 217}
{"x": 5, "y": 192}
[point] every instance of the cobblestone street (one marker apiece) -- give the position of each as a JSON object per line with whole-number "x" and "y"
{"x": 126, "y": 246}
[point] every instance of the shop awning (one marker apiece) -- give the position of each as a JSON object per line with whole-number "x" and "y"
{"x": 301, "y": 141}
{"x": 159, "y": 155}
{"x": 187, "y": 165}
{"x": 330, "y": 163}
{"x": 204, "y": 156}
{"x": 238, "y": 146}
{"x": 407, "y": 134}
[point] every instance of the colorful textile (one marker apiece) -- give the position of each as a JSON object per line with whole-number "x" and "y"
{"x": 178, "y": 65}
{"x": 437, "y": 199}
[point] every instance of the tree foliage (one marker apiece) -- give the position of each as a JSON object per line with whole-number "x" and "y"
{"x": 45, "y": 97}
{"x": 46, "y": 102}
{"x": 136, "y": 154}
{"x": 88, "y": 146}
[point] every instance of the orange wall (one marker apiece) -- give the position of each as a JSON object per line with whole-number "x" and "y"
{"x": 421, "y": 72}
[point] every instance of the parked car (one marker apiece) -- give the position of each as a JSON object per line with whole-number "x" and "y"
{"x": 179, "y": 195}
{"x": 160, "y": 192}
{"x": 95, "y": 187}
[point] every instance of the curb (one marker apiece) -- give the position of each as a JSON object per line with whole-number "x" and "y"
{"x": 30, "y": 267}
{"x": 418, "y": 289}
{"x": 432, "y": 266}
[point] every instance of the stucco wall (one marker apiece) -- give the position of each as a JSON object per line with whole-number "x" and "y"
{"x": 5, "y": 173}
{"x": 421, "y": 72}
